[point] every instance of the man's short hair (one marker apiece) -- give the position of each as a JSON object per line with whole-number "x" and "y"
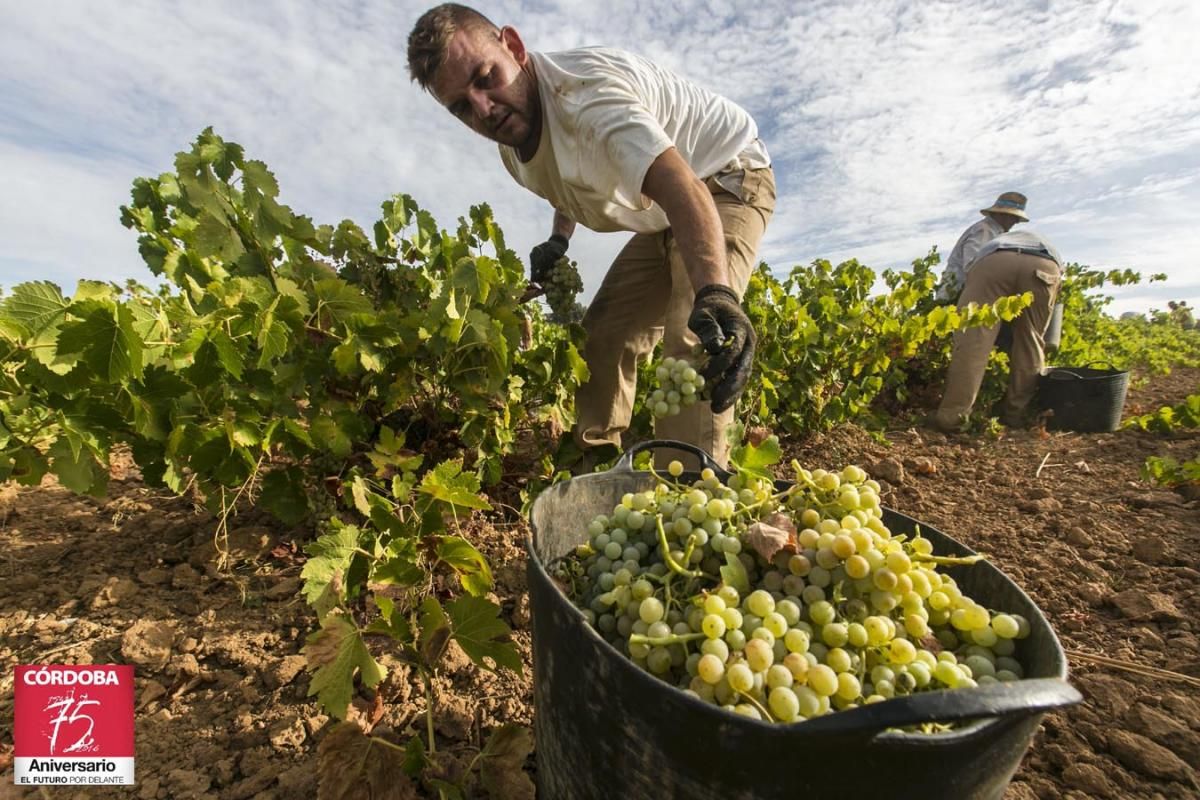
{"x": 430, "y": 38}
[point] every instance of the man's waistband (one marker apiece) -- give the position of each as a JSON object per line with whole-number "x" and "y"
{"x": 1027, "y": 251}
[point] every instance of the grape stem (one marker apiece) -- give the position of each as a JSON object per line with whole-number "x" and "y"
{"x": 778, "y": 496}
{"x": 664, "y": 641}
{"x": 949, "y": 561}
{"x": 761, "y": 709}
{"x": 671, "y": 563}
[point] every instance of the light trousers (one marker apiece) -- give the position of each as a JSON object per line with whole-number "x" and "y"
{"x": 1000, "y": 274}
{"x": 647, "y": 296}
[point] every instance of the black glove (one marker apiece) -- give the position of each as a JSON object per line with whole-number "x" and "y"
{"x": 724, "y": 330}
{"x": 543, "y": 257}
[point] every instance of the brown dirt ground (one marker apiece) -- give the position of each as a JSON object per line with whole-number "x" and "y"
{"x": 222, "y": 698}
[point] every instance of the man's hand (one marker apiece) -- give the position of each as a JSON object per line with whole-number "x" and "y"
{"x": 543, "y": 257}
{"x": 725, "y": 331}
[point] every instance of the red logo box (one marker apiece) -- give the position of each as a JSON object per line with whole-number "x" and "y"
{"x": 74, "y": 725}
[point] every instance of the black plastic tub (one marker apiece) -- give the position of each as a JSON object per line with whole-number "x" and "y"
{"x": 606, "y": 729}
{"x": 1050, "y": 340}
{"x": 1083, "y": 399}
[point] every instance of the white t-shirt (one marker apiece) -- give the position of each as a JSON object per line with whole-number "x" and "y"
{"x": 606, "y": 116}
{"x": 964, "y": 254}
{"x": 1027, "y": 240}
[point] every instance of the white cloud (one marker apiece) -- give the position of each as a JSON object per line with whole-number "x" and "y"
{"x": 890, "y": 122}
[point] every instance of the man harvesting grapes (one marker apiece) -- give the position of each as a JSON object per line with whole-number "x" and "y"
{"x": 1011, "y": 263}
{"x": 616, "y": 143}
{"x": 1000, "y": 217}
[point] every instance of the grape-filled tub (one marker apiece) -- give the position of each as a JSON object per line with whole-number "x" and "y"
{"x": 607, "y": 729}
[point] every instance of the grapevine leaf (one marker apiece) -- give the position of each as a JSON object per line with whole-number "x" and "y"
{"x": 435, "y": 632}
{"x": 93, "y": 290}
{"x": 258, "y": 178}
{"x": 35, "y": 305}
{"x": 331, "y": 437}
{"x": 481, "y": 634}
{"x": 12, "y": 330}
{"x": 290, "y": 289}
{"x": 501, "y": 764}
{"x": 297, "y": 432}
{"x": 109, "y": 344}
{"x": 361, "y": 494}
{"x": 472, "y": 568}
{"x": 283, "y": 494}
{"x": 345, "y": 356}
{"x": 449, "y": 484}
{"x": 335, "y": 653}
{"x": 389, "y": 622}
{"x": 577, "y": 367}
{"x": 228, "y": 354}
{"x": 400, "y": 570}
{"x": 76, "y": 468}
{"x": 330, "y": 555}
{"x": 754, "y": 461}
{"x": 476, "y": 276}
{"x": 214, "y": 237}
{"x": 272, "y": 340}
{"x": 354, "y": 766}
{"x": 414, "y": 757}
{"x": 371, "y": 357}
{"x": 340, "y": 300}
{"x": 734, "y": 574}
{"x": 444, "y": 788}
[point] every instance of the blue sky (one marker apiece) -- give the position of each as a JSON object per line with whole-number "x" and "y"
{"x": 890, "y": 123}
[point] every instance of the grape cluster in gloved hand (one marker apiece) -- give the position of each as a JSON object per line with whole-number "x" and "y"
{"x": 543, "y": 257}
{"x": 728, "y": 338}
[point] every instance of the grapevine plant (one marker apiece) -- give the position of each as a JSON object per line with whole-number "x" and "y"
{"x": 828, "y": 348}
{"x": 1092, "y": 336}
{"x": 1167, "y": 421}
{"x": 370, "y": 384}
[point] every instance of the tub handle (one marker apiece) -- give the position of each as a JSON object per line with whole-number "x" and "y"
{"x": 625, "y": 463}
{"x": 1023, "y": 697}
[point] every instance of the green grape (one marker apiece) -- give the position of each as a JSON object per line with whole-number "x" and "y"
{"x": 822, "y": 680}
{"x": 651, "y": 610}
{"x": 680, "y": 385}
{"x": 759, "y": 655}
{"x": 740, "y": 677}
{"x": 713, "y": 626}
{"x": 784, "y": 703}
{"x": 1005, "y": 626}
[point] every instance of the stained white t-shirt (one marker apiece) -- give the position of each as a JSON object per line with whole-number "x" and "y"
{"x": 964, "y": 254}
{"x": 606, "y": 116}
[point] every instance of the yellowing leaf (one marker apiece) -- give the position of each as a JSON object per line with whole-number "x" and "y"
{"x": 480, "y": 632}
{"x": 334, "y": 654}
{"x": 472, "y": 568}
{"x": 354, "y": 766}
{"x": 771, "y": 535}
{"x": 501, "y": 764}
{"x": 448, "y": 483}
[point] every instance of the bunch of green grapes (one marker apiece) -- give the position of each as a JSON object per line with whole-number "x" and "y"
{"x": 323, "y": 471}
{"x": 783, "y": 605}
{"x": 680, "y": 385}
{"x": 562, "y": 285}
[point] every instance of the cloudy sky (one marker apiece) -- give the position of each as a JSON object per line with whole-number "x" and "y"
{"x": 890, "y": 123}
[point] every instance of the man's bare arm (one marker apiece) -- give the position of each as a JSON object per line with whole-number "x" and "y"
{"x": 689, "y": 206}
{"x": 717, "y": 317}
{"x": 563, "y": 225}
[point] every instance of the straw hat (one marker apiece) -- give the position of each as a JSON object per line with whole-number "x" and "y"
{"x": 1012, "y": 203}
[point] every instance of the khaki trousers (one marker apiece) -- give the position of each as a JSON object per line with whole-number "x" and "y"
{"x": 1004, "y": 272}
{"x": 647, "y": 296}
